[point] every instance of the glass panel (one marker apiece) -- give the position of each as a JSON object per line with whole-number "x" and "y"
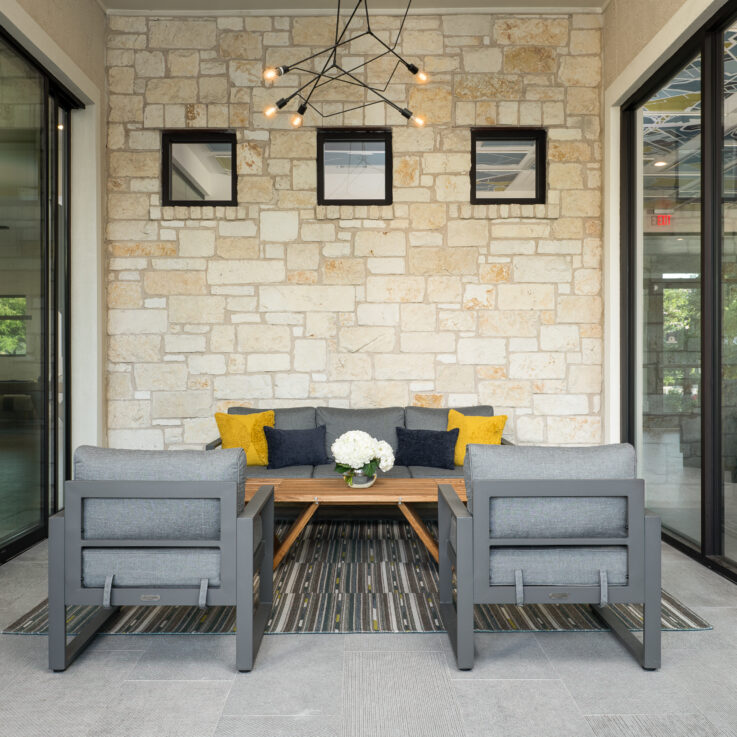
{"x": 729, "y": 297}
{"x": 669, "y": 309}
{"x": 22, "y": 288}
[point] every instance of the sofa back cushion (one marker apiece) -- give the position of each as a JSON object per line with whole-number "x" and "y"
{"x": 429, "y": 418}
{"x": 288, "y": 418}
{"x": 380, "y": 423}
{"x": 162, "y": 519}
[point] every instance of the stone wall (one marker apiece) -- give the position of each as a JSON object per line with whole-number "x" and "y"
{"x": 430, "y": 301}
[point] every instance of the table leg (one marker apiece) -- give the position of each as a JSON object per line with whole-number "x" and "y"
{"x": 293, "y": 533}
{"x": 419, "y": 527}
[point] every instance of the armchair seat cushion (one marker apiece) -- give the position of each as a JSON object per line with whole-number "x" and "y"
{"x": 150, "y": 566}
{"x": 559, "y": 566}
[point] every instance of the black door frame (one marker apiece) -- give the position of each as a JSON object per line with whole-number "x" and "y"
{"x": 708, "y": 43}
{"x": 56, "y": 97}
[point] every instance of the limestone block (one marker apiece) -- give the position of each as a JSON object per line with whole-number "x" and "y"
{"x": 291, "y": 386}
{"x": 569, "y": 151}
{"x": 310, "y": 298}
{"x": 184, "y": 343}
{"x": 581, "y": 203}
{"x": 132, "y": 230}
{"x": 344, "y": 271}
{"x": 312, "y": 231}
{"x": 440, "y": 342}
{"x": 149, "y": 64}
{"x": 413, "y": 139}
{"x": 262, "y": 362}
{"x": 506, "y": 393}
{"x": 579, "y": 309}
{"x": 509, "y": 323}
{"x": 293, "y": 144}
{"x": 565, "y": 176}
{"x": 184, "y": 63}
{"x": 196, "y": 242}
{"x": 541, "y": 365}
{"x": 301, "y": 256}
{"x": 433, "y": 102}
{"x": 380, "y": 243}
{"x": 466, "y": 25}
{"x": 440, "y": 163}
{"x": 583, "y": 100}
{"x": 279, "y": 226}
{"x": 494, "y": 273}
{"x": 264, "y": 338}
{"x": 237, "y": 248}
{"x": 532, "y": 31}
{"x": 395, "y": 288}
{"x": 444, "y": 289}
{"x": 402, "y": 366}
{"x": 126, "y": 109}
{"x": 171, "y": 90}
{"x": 424, "y": 216}
{"x": 580, "y": 71}
{"x": 136, "y": 322}
{"x": 246, "y": 387}
{"x": 482, "y": 350}
{"x": 468, "y": 233}
{"x": 587, "y": 281}
{"x": 174, "y": 282}
{"x": 432, "y": 261}
{"x": 530, "y": 429}
{"x": 313, "y": 31}
{"x": 377, "y": 314}
{"x": 222, "y": 338}
{"x": 246, "y": 271}
{"x": 386, "y": 265}
{"x": 245, "y": 73}
{"x": 479, "y": 297}
{"x": 457, "y": 320}
{"x": 304, "y": 175}
{"x": 240, "y": 45}
{"x": 422, "y": 42}
{"x": 125, "y": 164}
{"x": 367, "y": 339}
{"x": 406, "y": 171}
{"x": 584, "y": 379}
{"x": 542, "y": 269}
{"x": 349, "y": 367}
{"x": 576, "y": 430}
{"x": 200, "y": 430}
{"x": 190, "y": 403}
{"x": 120, "y": 80}
{"x": 454, "y": 378}
{"x": 452, "y": 188}
{"x": 483, "y": 60}
{"x": 255, "y": 189}
{"x": 310, "y": 355}
{"x": 154, "y": 376}
{"x": 128, "y": 414}
{"x": 144, "y": 439}
{"x": 132, "y": 348}
{"x": 487, "y": 87}
{"x": 124, "y": 294}
{"x": 379, "y": 394}
{"x": 250, "y": 158}
{"x": 529, "y": 59}
{"x": 196, "y": 310}
{"x": 181, "y": 34}
{"x": 526, "y": 296}
{"x": 560, "y": 404}
{"x": 418, "y": 316}
{"x": 559, "y": 338}
{"x": 119, "y": 386}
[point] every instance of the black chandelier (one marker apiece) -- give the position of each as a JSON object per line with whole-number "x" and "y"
{"x": 332, "y": 71}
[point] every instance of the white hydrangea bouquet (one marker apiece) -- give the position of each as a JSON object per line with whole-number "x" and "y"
{"x": 358, "y": 456}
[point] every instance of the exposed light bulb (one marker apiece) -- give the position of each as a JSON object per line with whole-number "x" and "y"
{"x": 270, "y": 74}
{"x": 296, "y": 120}
{"x": 422, "y": 77}
{"x": 60, "y": 126}
{"x": 270, "y": 111}
{"x": 418, "y": 120}
{"x": 660, "y": 163}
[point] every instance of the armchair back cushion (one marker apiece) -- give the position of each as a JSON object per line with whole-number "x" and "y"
{"x": 380, "y": 423}
{"x": 156, "y": 519}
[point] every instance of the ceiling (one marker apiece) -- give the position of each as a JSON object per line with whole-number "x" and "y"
{"x": 307, "y": 7}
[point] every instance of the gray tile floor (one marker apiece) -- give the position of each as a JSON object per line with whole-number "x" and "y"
{"x": 523, "y": 685}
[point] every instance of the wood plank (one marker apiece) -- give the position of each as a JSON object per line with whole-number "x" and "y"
{"x": 335, "y": 490}
{"x": 419, "y": 527}
{"x": 293, "y": 533}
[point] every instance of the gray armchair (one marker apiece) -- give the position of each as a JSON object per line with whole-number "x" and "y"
{"x": 549, "y": 525}
{"x": 160, "y": 528}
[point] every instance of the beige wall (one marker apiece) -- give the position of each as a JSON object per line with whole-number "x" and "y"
{"x": 628, "y": 26}
{"x": 78, "y": 26}
{"x": 429, "y": 301}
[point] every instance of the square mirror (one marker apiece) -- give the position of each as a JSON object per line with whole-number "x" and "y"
{"x": 199, "y": 168}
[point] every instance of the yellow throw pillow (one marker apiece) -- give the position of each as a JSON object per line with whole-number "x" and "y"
{"x": 474, "y": 429}
{"x": 247, "y": 432}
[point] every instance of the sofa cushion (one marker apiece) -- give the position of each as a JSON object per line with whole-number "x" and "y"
{"x": 426, "y": 447}
{"x": 563, "y": 566}
{"x": 288, "y": 418}
{"x": 430, "y": 472}
{"x": 296, "y": 447}
{"x": 247, "y": 432}
{"x": 192, "y": 519}
{"x": 430, "y": 418}
{"x": 379, "y": 423}
{"x": 150, "y": 566}
{"x": 538, "y": 462}
{"x": 327, "y": 471}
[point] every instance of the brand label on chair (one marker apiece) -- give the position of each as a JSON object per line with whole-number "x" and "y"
{"x": 150, "y": 597}
{"x": 558, "y": 596}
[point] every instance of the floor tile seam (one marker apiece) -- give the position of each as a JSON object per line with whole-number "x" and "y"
{"x": 501, "y": 680}
{"x": 179, "y": 680}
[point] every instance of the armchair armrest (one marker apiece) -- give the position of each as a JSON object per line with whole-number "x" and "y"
{"x": 214, "y": 444}
{"x": 448, "y": 496}
{"x": 256, "y": 506}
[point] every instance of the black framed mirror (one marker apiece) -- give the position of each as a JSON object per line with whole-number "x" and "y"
{"x": 198, "y": 168}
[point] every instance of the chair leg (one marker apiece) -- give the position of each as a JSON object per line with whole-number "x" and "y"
{"x": 57, "y": 606}
{"x": 244, "y": 655}
{"x": 651, "y": 635}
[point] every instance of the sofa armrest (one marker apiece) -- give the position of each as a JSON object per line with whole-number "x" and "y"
{"x": 214, "y": 444}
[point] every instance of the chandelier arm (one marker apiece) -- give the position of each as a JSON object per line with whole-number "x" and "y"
{"x": 390, "y": 49}
{"x": 401, "y": 25}
{"x": 329, "y": 49}
{"x": 337, "y": 78}
{"x": 375, "y": 91}
{"x": 368, "y": 20}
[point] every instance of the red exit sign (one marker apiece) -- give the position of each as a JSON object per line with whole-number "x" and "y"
{"x": 661, "y": 220}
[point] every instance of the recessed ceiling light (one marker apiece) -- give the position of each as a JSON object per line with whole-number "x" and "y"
{"x": 660, "y": 163}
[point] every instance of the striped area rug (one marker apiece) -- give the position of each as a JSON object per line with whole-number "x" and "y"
{"x": 358, "y": 577}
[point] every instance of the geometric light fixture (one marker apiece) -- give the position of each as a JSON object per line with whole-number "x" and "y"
{"x": 334, "y": 73}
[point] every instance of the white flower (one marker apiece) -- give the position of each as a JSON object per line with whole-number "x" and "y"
{"x": 385, "y": 455}
{"x": 357, "y": 448}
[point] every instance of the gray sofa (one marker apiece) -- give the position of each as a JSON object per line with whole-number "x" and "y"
{"x": 380, "y": 423}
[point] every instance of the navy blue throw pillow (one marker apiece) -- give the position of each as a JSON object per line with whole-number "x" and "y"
{"x": 435, "y": 448}
{"x": 296, "y": 447}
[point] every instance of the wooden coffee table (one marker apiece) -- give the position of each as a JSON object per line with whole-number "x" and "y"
{"x": 386, "y": 491}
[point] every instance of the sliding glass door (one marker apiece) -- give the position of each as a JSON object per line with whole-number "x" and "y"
{"x": 34, "y": 215}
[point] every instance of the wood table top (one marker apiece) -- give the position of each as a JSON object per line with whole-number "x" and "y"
{"x": 336, "y": 491}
